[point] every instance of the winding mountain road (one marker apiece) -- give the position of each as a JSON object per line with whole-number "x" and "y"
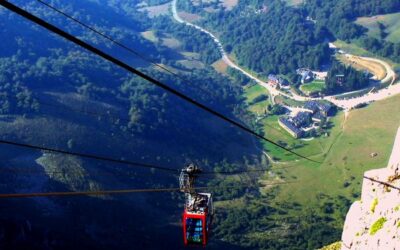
{"x": 347, "y": 105}
{"x": 224, "y": 55}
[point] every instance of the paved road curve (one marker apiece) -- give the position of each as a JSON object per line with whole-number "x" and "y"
{"x": 345, "y": 104}
{"x": 224, "y": 55}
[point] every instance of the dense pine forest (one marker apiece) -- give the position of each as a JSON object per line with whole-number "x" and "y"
{"x": 263, "y": 34}
{"x": 339, "y": 16}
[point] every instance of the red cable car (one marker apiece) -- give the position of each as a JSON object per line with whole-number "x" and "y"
{"x": 198, "y": 213}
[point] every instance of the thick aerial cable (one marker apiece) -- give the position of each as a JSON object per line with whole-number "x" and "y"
{"x": 89, "y": 156}
{"x": 130, "y": 50}
{"x": 235, "y": 172}
{"x": 119, "y": 161}
{"x": 108, "y": 116}
{"x": 38, "y": 172}
{"x": 116, "y": 42}
{"x": 33, "y": 171}
{"x": 82, "y": 193}
{"x": 109, "y": 38}
{"x": 65, "y": 171}
{"x": 121, "y": 191}
{"x": 381, "y": 182}
{"x": 125, "y": 66}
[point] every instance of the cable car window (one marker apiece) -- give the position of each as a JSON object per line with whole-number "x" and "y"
{"x": 194, "y": 230}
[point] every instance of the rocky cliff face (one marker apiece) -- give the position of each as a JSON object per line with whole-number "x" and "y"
{"x": 374, "y": 221}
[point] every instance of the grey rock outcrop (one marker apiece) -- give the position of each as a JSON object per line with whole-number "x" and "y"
{"x": 374, "y": 221}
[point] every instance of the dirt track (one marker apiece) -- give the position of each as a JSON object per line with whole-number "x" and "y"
{"x": 380, "y": 69}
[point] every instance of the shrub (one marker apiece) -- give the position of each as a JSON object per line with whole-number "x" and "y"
{"x": 373, "y": 205}
{"x": 333, "y": 246}
{"x": 259, "y": 98}
{"x": 378, "y": 225}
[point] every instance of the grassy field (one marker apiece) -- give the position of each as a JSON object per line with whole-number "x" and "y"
{"x": 312, "y": 87}
{"x": 220, "y": 66}
{"x": 253, "y": 92}
{"x": 229, "y": 4}
{"x": 390, "y": 21}
{"x": 154, "y": 11}
{"x": 171, "y": 42}
{"x": 352, "y": 48}
{"x": 288, "y": 102}
{"x": 149, "y": 35}
{"x": 345, "y": 156}
{"x": 294, "y": 2}
{"x": 189, "y": 60}
{"x": 315, "y": 148}
{"x": 355, "y": 49}
{"x": 189, "y": 16}
{"x": 165, "y": 39}
{"x": 192, "y": 64}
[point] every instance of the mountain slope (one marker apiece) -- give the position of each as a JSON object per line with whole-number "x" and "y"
{"x": 374, "y": 221}
{"x": 97, "y": 108}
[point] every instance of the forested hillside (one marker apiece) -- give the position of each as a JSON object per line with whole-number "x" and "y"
{"x": 270, "y": 37}
{"x": 353, "y": 79}
{"x": 54, "y": 94}
{"x": 57, "y": 95}
{"x": 263, "y": 34}
{"x": 339, "y": 18}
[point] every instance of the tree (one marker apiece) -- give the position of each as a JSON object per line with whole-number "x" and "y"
{"x": 278, "y": 109}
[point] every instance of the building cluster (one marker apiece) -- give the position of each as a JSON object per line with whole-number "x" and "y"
{"x": 309, "y": 119}
{"x": 277, "y": 81}
{"x": 307, "y": 75}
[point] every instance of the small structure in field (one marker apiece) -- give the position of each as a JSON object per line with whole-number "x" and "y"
{"x": 340, "y": 79}
{"x": 374, "y": 154}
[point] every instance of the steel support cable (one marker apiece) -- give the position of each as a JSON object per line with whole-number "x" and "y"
{"x": 88, "y": 173}
{"x": 381, "y": 182}
{"x": 237, "y": 172}
{"x": 89, "y": 156}
{"x": 118, "y": 43}
{"x": 107, "y": 116}
{"x": 125, "y": 66}
{"x": 124, "y": 47}
{"x": 121, "y": 191}
{"x": 113, "y": 160}
{"x": 81, "y": 193}
{"x": 154, "y": 190}
{"x": 39, "y": 172}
